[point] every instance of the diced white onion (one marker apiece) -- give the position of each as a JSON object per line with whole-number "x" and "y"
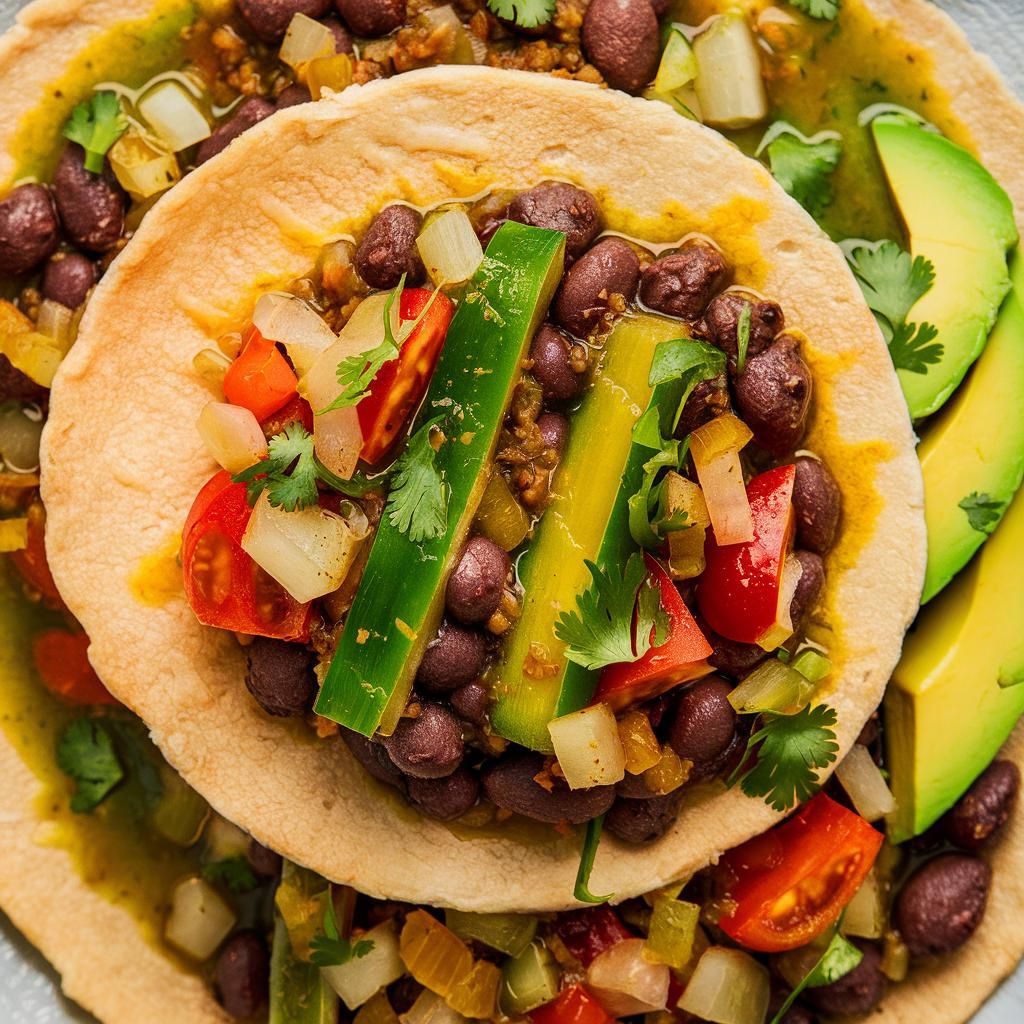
{"x": 727, "y": 987}
{"x": 729, "y": 85}
{"x": 143, "y": 169}
{"x": 450, "y": 249}
{"x": 21, "y": 428}
{"x": 864, "y": 784}
{"x": 626, "y": 983}
{"x": 55, "y": 320}
{"x": 306, "y": 40}
{"x": 459, "y": 49}
{"x": 223, "y": 839}
{"x": 232, "y": 436}
{"x": 199, "y": 920}
{"x": 309, "y": 552}
{"x": 359, "y": 979}
{"x": 296, "y": 325}
{"x": 174, "y": 115}
{"x": 588, "y": 747}
{"x": 782, "y": 628}
{"x": 430, "y": 1008}
{"x": 678, "y": 65}
{"x": 865, "y": 913}
{"x": 721, "y": 480}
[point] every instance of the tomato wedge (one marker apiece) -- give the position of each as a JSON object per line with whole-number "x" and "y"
{"x": 260, "y": 378}
{"x": 791, "y": 883}
{"x": 31, "y": 562}
{"x": 62, "y": 660}
{"x": 224, "y": 587}
{"x": 681, "y": 659}
{"x": 400, "y": 384}
{"x": 740, "y": 588}
{"x": 575, "y": 1005}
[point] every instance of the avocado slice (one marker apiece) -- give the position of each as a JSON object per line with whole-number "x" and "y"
{"x": 957, "y": 216}
{"x": 972, "y": 456}
{"x": 958, "y": 690}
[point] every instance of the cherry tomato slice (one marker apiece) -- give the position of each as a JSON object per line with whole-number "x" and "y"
{"x": 682, "y": 658}
{"x": 400, "y": 384}
{"x": 260, "y": 378}
{"x": 61, "y": 658}
{"x": 575, "y": 1005}
{"x": 224, "y": 587}
{"x": 738, "y": 592}
{"x": 31, "y": 562}
{"x": 791, "y": 883}
{"x": 589, "y": 932}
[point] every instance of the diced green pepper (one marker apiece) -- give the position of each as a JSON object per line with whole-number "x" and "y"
{"x": 507, "y": 933}
{"x": 298, "y": 992}
{"x": 588, "y": 519}
{"x": 398, "y": 608}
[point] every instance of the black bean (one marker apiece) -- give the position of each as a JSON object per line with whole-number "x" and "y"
{"x": 242, "y": 974}
{"x": 551, "y": 353}
{"x": 269, "y": 19}
{"x": 643, "y": 820}
{"x": 682, "y": 283}
{"x": 773, "y": 394}
{"x": 372, "y": 17}
{"x": 709, "y": 398}
{"x": 985, "y": 808}
{"x": 471, "y": 703}
{"x": 722, "y": 323}
{"x": 342, "y": 37}
{"x": 280, "y": 676}
{"x": 857, "y": 992}
{"x": 16, "y": 386}
{"x": 446, "y": 798}
{"x": 292, "y": 96}
{"x": 374, "y": 758}
{"x": 796, "y": 1014}
{"x": 554, "y": 430}
{"x": 610, "y": 268}
{"x": 703, "y": 726}
{"x": 808, "y": 589}
{"x": 264, "y": 861}
{"x": 68, "y": 278}
{"x": 732, "y": 657}
{"x": 429, "y": 746}
{"x": 560, "y": 207}
{"x": 477, "y": 583}
{"x": 620, "y": 37}
{"x": 510, "y": 783}
{"x": 29, "y": 229}
{"x": 456, "y": 656}
{"x": 91, "y": 206}
{"x": 248, "y": 113}
{"x": 817, "y": 501}
{"x": 633, "y": 787}
{"x": 388, "y": 248}
{"x": 941, "y": 905}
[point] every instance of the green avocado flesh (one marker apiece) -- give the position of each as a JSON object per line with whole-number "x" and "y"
{"x": 972, "y": 456}
{"x": 959, "y": 218}
{"x": 958, "y": 690}
{"x": 389, "y": 626}
{"x": 587, "y": 519}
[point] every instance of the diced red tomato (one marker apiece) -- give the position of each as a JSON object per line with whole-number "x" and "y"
{"x": 575, "y": 1005}
{"x": 739, "y": 591}
{"x": 791, "y": 883}
{"x": 31, "y": 562}
{"x": 681, "y": 659}
{"x": 400, "y": 384}
{"x": 224, "y": 587}
{"x": 295, "y": 410}
{"x": 62, "y": 661}
{"x": 589, "y": 932}
{"x": 260, "y": 378}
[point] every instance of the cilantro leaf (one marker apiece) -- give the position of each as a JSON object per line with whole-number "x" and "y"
{"x": 983, "y": 511}
{"x": 788, "y": 751}
{"x": 742, "y": 337}
{"x": 600, "y": 631}
{"x": 591, "y": 841}
{"x": 234, "y": 873}
{"x": 418, "y": 502}
{"x": 892, "y": 281}
{"x": 85, "y": 753}
{"x": 840, "y": 957}
{"x": 803, "y": 166}
{"x": 823, "y": 10}
{"x": 291, "y": 470}
{"x": 913, "y": 347}
{"x": 642, "y": 505}
{"x": 525, "y": 13}
{"x": 96, "y": 125}
{"x": 329, "y": 949}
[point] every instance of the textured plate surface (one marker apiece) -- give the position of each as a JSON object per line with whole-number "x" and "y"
{"x": 29, "y": 992}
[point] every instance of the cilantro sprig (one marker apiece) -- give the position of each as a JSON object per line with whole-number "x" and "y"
{"x": 588, "y": 854}
{"x": 803, "y": 166}
{"x": 983, "y": 511}
{"x": 330, "y": 949}
{"x": 418, "y": 501}
{"x": 892, "y": 282}
{"x": 525, "y": 13}
{"x": 840, "y": 957}
{"x": 290, "y": 473}
{"x": 96, "y": 125}
{"x": 785, "y": 754}
{"x": 822, "y": 10}
{"x": 86, "y": 754}
{"x": 600, "y": 631}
